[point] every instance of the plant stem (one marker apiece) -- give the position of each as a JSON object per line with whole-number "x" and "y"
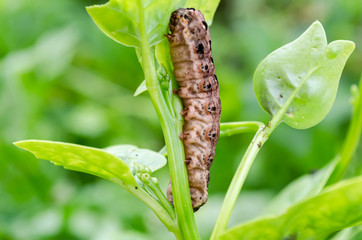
{"x": 157, "y": 208}
{"x": 155, "y": 188}
{"x": 238, "y": 180}
{"x": 352, "y": 139}
{"x": 232, "y": 128}
{"x": 171, "y": 129}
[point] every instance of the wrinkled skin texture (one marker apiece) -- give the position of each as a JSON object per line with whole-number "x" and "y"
{"x": 190, "y": 47}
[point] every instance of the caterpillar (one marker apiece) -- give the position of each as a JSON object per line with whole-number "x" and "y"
{"x": 190, "y": 48}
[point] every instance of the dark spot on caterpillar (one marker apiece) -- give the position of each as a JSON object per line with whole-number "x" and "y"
{"x": 205, "y": 25}
{"x": 136, "y": 188}
{"x": 209, "y": 162}
{"x": 195, "y": 30}
{"x": 313, "y": 171}
{"x": 204, "y": 67}
{"x": 193, "y": 9}
{"x": 196, "y": 76}
{"x": 200, "y": 48}
{"x": 213, "y": 135}
{"x": 281, "y": 95}
{"x": 259, "y": 144}
{"x": 211, "y": 108}
{"x": 206, "y": 86}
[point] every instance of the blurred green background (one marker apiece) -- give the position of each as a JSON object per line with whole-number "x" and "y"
{"x": 62, "y": 79}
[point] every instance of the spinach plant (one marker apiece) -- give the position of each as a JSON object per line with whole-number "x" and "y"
{"x": 296, "y": 84}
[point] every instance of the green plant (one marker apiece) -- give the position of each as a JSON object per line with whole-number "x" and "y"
{"x": 296, "y": 84}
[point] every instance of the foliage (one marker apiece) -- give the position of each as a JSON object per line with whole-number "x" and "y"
{"x": 334, "y": 209}
{"x": 290, "y": 80}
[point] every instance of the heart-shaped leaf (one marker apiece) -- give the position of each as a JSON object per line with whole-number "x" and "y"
{"x": 298, "y": 82}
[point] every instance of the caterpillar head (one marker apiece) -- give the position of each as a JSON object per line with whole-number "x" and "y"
{"x": 182, "y": 17}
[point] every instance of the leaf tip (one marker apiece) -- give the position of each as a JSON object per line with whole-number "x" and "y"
{"x": 317, "y": 22}
{"x": 141, "y": 88}
{"x": 340, "y": 47}
{"x": 21, "y": 144}
{"x": 317, "y": 26}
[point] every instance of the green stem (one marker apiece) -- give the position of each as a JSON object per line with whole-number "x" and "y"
{"x": 352, "y": 139}
{"x": 241, "y": 173}
{"x": 156, "y": 207}
{"x": 237, "y": 182}
{"x": 232, "y": 128}
{"x": 247, "y": 161}
{"x": 155, "y": 188}
{"x": 171, "y": 129}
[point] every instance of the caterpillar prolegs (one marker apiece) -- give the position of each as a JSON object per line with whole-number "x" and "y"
{"x": 190, "y": 48}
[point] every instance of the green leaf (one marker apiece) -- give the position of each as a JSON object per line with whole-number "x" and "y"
{"x": 82, "y": 159}
{"x": 336, "y": 208}
{"x": 130, "y": 154}
{"x": 311, "y": 184}
{"x": 163, "y": 151}
{"x": 304, "y": 187}
{"x": 352, "y": 139}
{"x": 119, "y": 19}
{"x": 141, "y": 88}
{"x": 298, "y": 82}
{"x": 353, "y": 233}
{"x": 207, "y": 7}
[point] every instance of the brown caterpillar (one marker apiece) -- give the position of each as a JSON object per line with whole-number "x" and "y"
{"x": 190, "y": 48}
